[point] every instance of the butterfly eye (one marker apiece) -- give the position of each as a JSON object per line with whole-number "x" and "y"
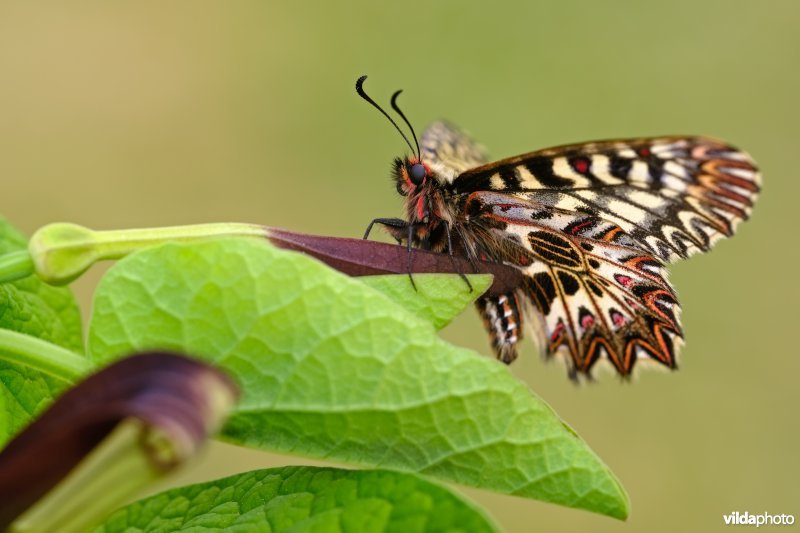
{"x": 417, "y": 173}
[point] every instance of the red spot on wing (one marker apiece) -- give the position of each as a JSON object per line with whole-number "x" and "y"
{"x": 587, "y": 321}
{"x": 576, "y": 229}
{"x": 581, "y": 165}
{"x": 625, "y": 281}
{"x": 645, "y": 152}
{"x": 557, "y": 332}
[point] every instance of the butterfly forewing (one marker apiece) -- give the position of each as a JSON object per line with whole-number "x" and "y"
{"x": 592, "y": 225}
{"x": 674, "y": 195}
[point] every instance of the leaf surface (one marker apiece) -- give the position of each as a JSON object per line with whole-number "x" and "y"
{"x": 438, "y": 298}
{"x": 301, "y": 499}
{"x": 332, "y": 368}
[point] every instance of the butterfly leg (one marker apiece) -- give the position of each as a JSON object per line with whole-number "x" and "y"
{"x": 503, "y": 320}
{"x": 399, "y": 224}
{"x": 471, "y": 257}
{"x": 456, "y": 266}
{"x": 410, "y": 256}
{"x": 391, "y": 222}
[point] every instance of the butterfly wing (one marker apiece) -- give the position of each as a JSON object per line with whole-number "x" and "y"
{"x": 591, "y": 293}
{"x": 592, "y": 225}
{"x": 450, "y": 151}
{"x": 674, "y": 196}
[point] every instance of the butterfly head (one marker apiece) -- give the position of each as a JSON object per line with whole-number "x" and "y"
{"x": 411, "y": 175}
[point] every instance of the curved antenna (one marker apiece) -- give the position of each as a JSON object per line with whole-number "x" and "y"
{"x": 362, "y": 94}
{"x": 397, "y": 108}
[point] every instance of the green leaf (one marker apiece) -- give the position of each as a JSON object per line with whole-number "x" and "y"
{"x": 304, "y": 499}
{"x": 332, "y": 368}
{"x": 438, "y": 298}
{"x": 31, "y": 307}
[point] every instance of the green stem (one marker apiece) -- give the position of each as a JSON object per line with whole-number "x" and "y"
{"x": 109, "y": 476}
{"x": 114, "y": 244}
{"x": 15, "y": 265}
{"x": 43, "y": 356}
{"x": 62, "y": 252}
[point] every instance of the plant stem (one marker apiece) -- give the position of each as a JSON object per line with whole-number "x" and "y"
{"x": 114, "y": 244}
{"x": 43, "y": 356}
{"x": 112, "y": 473}
{"x": 62, "y": 252}
{"x": 15, "y": 265}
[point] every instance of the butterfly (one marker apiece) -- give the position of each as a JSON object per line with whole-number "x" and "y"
{"x": 592, "y": 226}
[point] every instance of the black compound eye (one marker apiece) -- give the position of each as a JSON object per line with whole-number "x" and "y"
{"x": 417, "y": 173}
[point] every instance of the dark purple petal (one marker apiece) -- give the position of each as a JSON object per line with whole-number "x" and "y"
{"x": 182, "y": 397}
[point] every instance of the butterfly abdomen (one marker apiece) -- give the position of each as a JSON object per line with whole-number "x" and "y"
{"x": 503, "y": 320}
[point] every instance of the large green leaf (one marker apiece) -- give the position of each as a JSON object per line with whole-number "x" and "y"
{"x": 436, "y": 298}
{"x": 301, "y": 499}
{"x": 332, "y": 368}
{"x": 34, "y": 308}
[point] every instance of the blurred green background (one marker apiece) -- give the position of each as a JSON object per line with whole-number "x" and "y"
{"x": 130, "y": 114}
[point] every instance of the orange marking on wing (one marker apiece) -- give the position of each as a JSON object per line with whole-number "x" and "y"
{"x": 664, "y": 354}
{"x": 591, "y": 354}
{"x": 650, "y": 301}
{"x": 609, "y": 237}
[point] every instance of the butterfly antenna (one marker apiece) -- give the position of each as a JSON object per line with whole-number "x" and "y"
{"x": 362, "y": 94}
{"x": 399, "y": 112}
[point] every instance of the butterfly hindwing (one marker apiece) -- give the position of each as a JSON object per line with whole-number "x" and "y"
{"x": 591, "y": 294}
